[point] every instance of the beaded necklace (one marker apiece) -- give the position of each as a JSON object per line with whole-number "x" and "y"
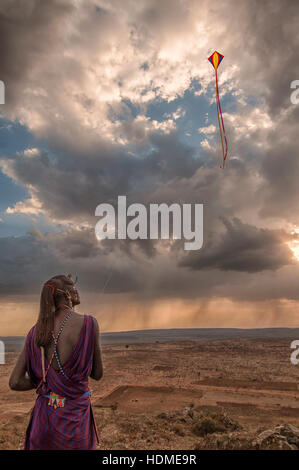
{"x": 55, "y": 353}
{"x": 56, "y": 342}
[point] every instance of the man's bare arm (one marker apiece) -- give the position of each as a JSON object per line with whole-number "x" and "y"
{"x": 18, "y": 379}
{"x": 97, "y": 366}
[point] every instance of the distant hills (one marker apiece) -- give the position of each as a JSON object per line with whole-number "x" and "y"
{"x": 15, "y": 343}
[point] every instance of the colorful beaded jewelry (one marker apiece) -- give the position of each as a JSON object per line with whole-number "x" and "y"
{"x": 56, "y": 341}
{"x": 56, "y": 400}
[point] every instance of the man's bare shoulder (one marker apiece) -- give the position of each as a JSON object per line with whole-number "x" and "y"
{"x": 79, "y": 318}
{"x": 96, "y": 324}
{"x": 76, "y": 320}
{"x": 77, "y": 315}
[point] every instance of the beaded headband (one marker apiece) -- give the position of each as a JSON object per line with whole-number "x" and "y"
{"x": 54, "y": 288}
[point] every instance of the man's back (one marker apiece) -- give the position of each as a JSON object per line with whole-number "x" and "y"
{"x": 68, "y": 338}
{"x": 62, "y": 417}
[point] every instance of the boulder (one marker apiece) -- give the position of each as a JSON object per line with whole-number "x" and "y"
{"x": 284, "y": 436}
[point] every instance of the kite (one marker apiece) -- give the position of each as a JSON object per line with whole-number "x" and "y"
{"x": 215, "y": 60}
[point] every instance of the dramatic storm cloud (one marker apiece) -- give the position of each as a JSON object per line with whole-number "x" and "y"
{"x": 109, "y": 98}
{"x": 243, "y": 248}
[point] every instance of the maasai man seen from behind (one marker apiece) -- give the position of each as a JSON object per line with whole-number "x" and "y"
{"x": 61, "y": 351}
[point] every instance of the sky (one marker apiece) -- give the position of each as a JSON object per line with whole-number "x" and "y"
{"x": 109, "y": 98}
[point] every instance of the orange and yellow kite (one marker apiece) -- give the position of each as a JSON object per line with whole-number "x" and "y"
{"x": 215, "y": 60}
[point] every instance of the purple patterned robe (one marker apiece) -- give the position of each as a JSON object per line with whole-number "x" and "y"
{"x": 72, "y": 426}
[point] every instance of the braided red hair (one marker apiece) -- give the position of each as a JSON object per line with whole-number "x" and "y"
{"x": 52, "y": 292}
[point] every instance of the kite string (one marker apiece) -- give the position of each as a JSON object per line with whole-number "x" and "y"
{"x": 218, "y": 104}
{"x": 220, "y": 130}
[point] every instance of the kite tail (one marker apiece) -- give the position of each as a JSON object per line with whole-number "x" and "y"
{"x": 222, "y": 123}
{"x": 220, "y": 130}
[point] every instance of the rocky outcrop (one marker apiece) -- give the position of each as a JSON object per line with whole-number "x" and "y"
{"x": 284, "y": 436}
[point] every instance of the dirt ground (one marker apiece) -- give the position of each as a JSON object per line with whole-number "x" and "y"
{"x": 217, "y": 394}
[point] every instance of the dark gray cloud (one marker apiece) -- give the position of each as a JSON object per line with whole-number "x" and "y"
{"x": 29, "y": 30}
{"x": 70, "y": 188}
{"x": 280, "y": 170}
{"x": 26, "y": 262}
{"x": 243, "y": 247}
{"x": 272, "y": 38}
